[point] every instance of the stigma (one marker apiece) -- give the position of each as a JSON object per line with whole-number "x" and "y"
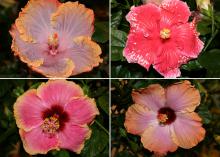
{"x": 162, "y": 118}
{"x": 165, "y": 33}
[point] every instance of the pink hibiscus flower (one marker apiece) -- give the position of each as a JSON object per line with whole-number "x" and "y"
{"x": 54, "y": 38}
{"x": 162, "y": 36}
{"x": 165, "y": 118}
{"x": 53, "y": 116}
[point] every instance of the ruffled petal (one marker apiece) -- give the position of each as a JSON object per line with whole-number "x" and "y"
{"x": 167, "y": 63}
{"x": 33, "y": 22}
{"x": 182, "y": 97}
{"x": 82, "y": 110}
{"x": 61, "y": 68}
{"x": 141, "y": 49}
{"x": 138, "y": 118}
{"x": 187, "y": 130}
{"x": 59, "y": 92}
{"x": 152, "y": 97}
{"x": 158, "y": 139}
{"x": 37, "y": 142}
{"x": 187, "y": 40}
{"x": 73, "y": 19}
{"x": 144, "y": 18}
{"x": 28, "y": 110}
{"x": 73, "y": 137}
{"x": 85, "y": 54}
{"x": 30, "y": 53}
{"x": 174, "y": 11}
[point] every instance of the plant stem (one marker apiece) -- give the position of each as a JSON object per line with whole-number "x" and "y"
{"x": 100, "y": 125}
{"x": 210, "y": 40}
{"x": 213, "y": 21}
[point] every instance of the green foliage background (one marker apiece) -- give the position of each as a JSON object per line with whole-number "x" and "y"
{"x": 10, "y": 143}
{"x": 125, "y": 144}
{"x": 11, "y": 66}
{"x": 207, "y": 64}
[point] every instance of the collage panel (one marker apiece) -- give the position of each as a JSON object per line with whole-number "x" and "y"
{"x": 54, "y": 118}
{"x": 173, "y": 118}
{"x": 165, "y": 38}
{"x": 54, "y": 38}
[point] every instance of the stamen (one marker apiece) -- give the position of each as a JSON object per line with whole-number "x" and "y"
{"x": 162, "y": 118}
{"x": 51, "y": 124}
{"x": 53, "y": 43}
{"x": 165, "y": 33}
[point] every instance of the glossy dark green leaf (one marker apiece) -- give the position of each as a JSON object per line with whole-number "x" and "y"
{"x": 192, "y": 65}
{"x": 101, "y": 33}
{"x": 104, "y": 103}
{"x": 116, "y": 19}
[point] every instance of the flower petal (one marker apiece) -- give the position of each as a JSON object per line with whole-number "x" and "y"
{"x": 140, "y": 49}
{"x": 61, "y": 68}
{"x": 167, "y": 63}
{"x": 138, "y": 16}
{"x": 73, "y": 137}
{"x": 33, "y": 22}
{"x": 82, "y": 110}
{"x": 59, "y": 92}
{"x": 30, "y": 53}
{"x": 37, "y": 142}
{"x": 182, "y": 97}
{"x": 187, "y": 130}
{"x": 157, "y": 138}
{"x": 138, "y": 118}
{"x": 85, "y": 54}
{"x": 175, "y": 11}
{"x": 73, "y": 19}
{"x": 187, "y": 40}
{"x": 28, "y": 110}
{"x": 152, "y": 97}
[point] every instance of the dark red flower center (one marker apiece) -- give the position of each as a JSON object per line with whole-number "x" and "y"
{"x": 166, "y": 116}
{"x": 53, "y": 44}
{"x": 55, "y": 119}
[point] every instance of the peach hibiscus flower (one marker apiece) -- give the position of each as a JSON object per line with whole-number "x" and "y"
{"x": 162, "y": 36}
{"x": 53, "y": 116}
{"x": 165, "y": 118}
{"x": 54, "y": 38}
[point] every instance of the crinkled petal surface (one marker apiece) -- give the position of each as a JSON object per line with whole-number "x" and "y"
{"x": 157, "y": 138}
{"x": 138, "y": 118}
{"x": 35, "y": 141}
{"x": 82, "y": 110}
{"x": 152, "y": 97}
{"x": 187, "y": 130}
{"x": 73, "y": 137}
{"x": 58, "y": 92}
{"x": 28, "y": 109}
{"x": 84, "y": 53}
{"x": 33, "y": 22}
{"x": 175, "y": 11}
{"x": 73, "y": 19}
{"x": 182, "y": 97}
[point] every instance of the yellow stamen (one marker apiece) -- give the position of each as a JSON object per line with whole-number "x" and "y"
{"x": 53, "y": 39}
{"x": 165, "y": 33}
{"x": 162, "y": 118}
{"x": 51, "y": 124}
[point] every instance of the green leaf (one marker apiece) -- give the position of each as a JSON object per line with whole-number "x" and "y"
{"x": 204, "y": 27}
{"x": 101, "y": 33}
{"x": 210, "y": 60}
{"x": 192, "y": 65}
{"x": 96, "y": 144}
{"x": 61, "y": 153}
{"x": 103, "y": 103}
{"x": 118, "y": 43}
{"x": 116, "y": 19}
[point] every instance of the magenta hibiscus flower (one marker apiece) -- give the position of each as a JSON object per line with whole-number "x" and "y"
{"x": 165, "y": 118}
{"x": 162, "y": 36}
{"x": 54, "y": 38}
{"x": 53, "y": 116}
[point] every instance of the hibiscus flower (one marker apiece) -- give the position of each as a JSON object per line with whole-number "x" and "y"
{"x": 165, "y": 118}
{"x": 53, "y": 116}
{"x": 54, "y": 38}
{"x": 160, "y": 35}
